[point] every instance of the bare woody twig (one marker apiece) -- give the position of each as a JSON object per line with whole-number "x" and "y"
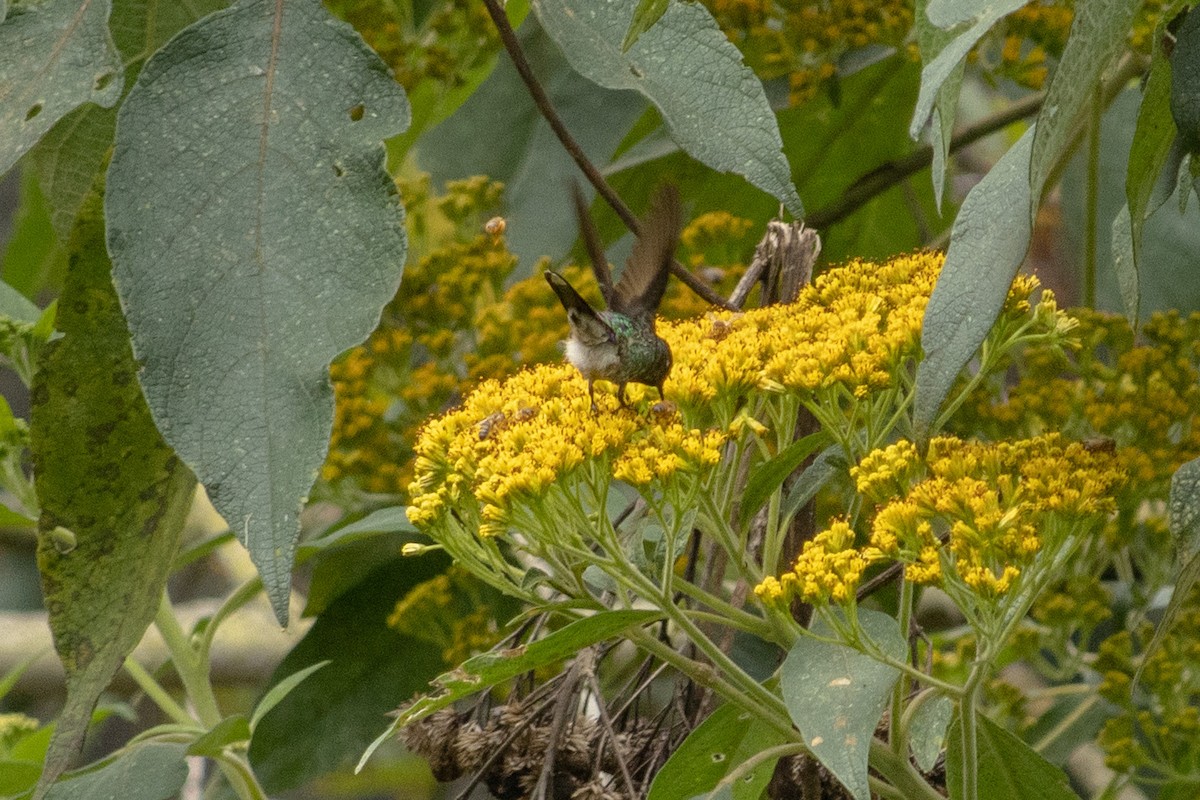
{"x": 509, "y": 38}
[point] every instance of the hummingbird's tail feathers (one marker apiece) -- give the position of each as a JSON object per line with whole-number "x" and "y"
{"x": 644, "y": 279}
{"x": 586, "y": 323}
{"x": 591, "y": 240}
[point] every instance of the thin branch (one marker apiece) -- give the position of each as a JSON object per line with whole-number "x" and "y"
{"x": 509, "y": 38}
{"x": 879, "y": 180}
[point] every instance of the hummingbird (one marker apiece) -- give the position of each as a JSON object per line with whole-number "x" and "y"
{"x": 620, "y": 343}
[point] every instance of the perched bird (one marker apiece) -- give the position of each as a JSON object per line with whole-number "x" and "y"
{"x": 620, "y": 344}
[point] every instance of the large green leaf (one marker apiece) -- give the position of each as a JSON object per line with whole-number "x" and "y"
{"x": 715, "y": 748}
{"x": 1098, "y": 33}
{"x": 528, "y": 158}
{"x": 105, "y": 475}
{"x": 835, "y": 695}
{"x": 146, "y": 771}
{"x": 987, "y": 245}
{"x": 54, "y": 56}
{"x": 255, "y": 235}
{"x": 68, "y": 158}
{"x": 1008, "y": 769}
{"x": 327, "y": 720}
{"x": 714, "y": 105}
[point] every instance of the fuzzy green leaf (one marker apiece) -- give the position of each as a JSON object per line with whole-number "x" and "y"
{"x": 54, "y": 57}
{"x": 713, "y": 103}
{"x": 105, "y": 475}
{"x": 255, "y": 236}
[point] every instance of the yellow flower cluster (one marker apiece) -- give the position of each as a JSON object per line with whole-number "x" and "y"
{"x": 453, "y": 325}
{"x": 1157, "y": 731}
{"x": 511, "y": 441}
{"x": 804, "y": 40}
{"x": 970, "y": 513}
{"x": 451, "y": 611}
{"x": 1143, "y": 394}
{"x": 847, "y": 332}
{"x": 829, "y": 569}
{"x": 453, "y": 40}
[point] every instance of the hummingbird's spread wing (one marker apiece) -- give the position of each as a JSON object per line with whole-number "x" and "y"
{"x": 586, "y": 323}
{"x": 591, "y": 239}
{"x": 644, "y": 279}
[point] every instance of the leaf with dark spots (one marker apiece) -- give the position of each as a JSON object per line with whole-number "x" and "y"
{"x": 102, "y": 472}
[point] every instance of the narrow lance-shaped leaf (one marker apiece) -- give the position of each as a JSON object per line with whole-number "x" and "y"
{"x": 645, "y": 15}
{"x": 949, "y": 60}
{"x": 713, "y": 103}
{"x": 932, "y": 39}
{"x": 105, "y": 477}
{"x": 54, "y": 56}
{"x": 1098, "y": 33}
{"x": 255, "y": 235}
{"x": 987, "y": 245}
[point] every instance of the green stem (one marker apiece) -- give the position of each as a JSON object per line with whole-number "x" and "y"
{"x": 897, "y": 734}
{"x": 188, "y": 664}
{"x": 155, "y": 691}
{"x": 241, "y": 777}
{"x": 968, "y": 725}
{"x": 728, "y": 614}
{"x": 900, "y": 773}
{"x": 771, "y": 712}
{"x": 242, "y": 595}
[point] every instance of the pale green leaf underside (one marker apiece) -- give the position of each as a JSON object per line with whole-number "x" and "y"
{"x": 714, "y": 105}
{"x": 836, "y": 695}
{"x": 255, "y": 236}
{"x": 54, "y": 56}
{"x": 987, "y": 245}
